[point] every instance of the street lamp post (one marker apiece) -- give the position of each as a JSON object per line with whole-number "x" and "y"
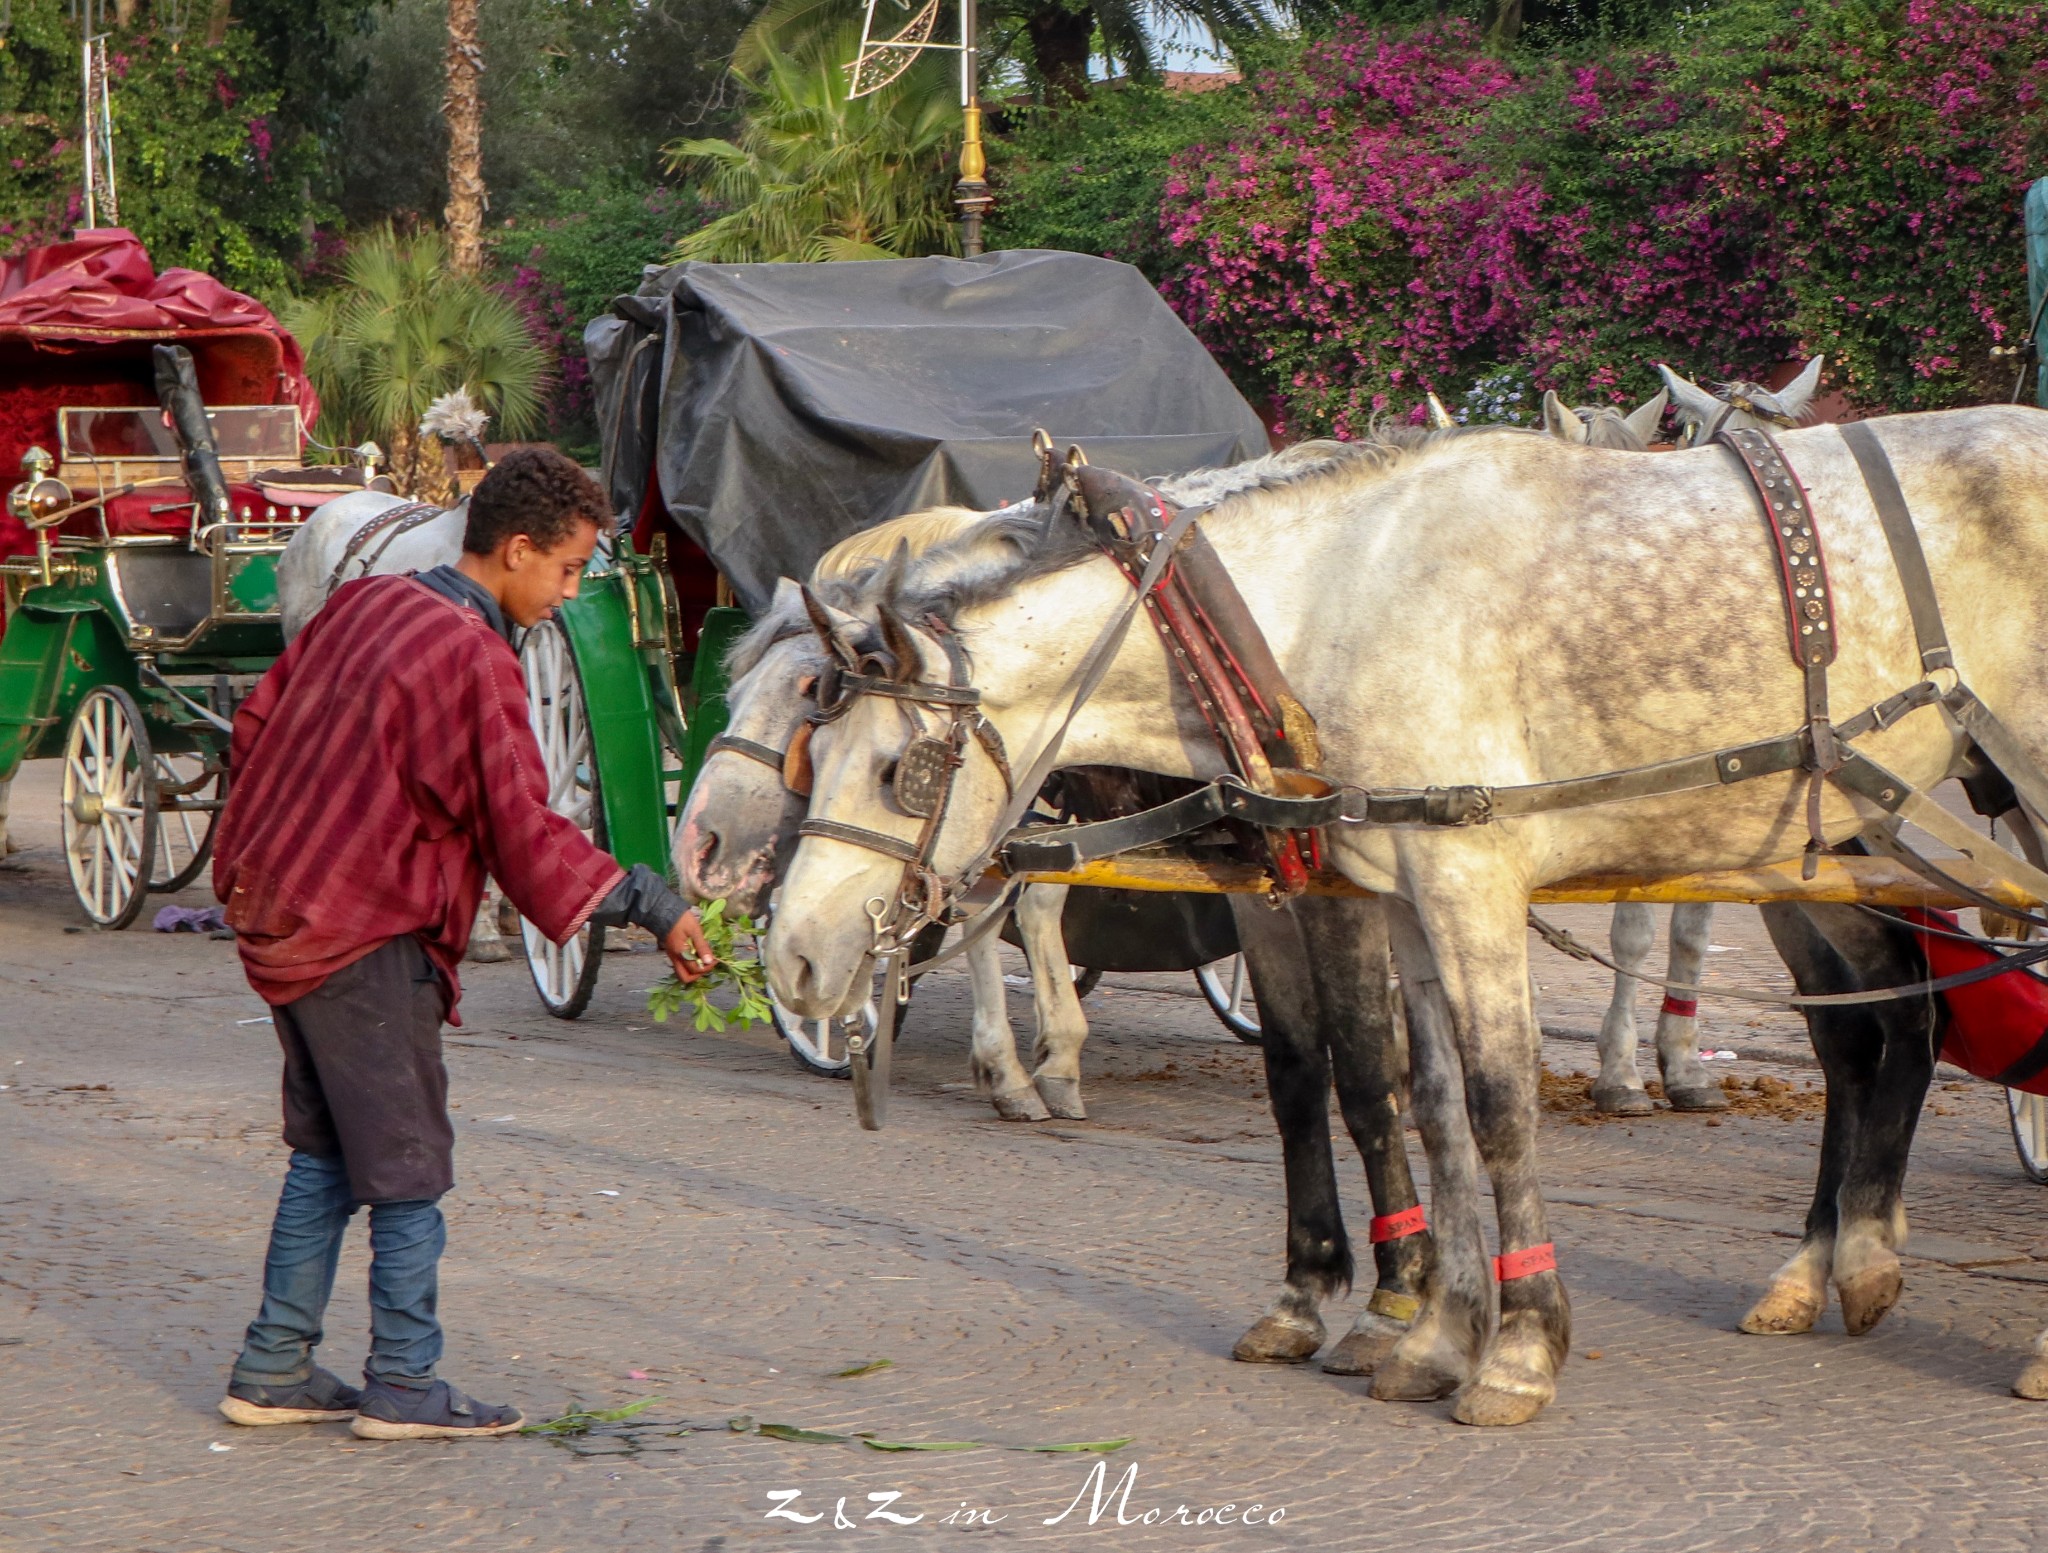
{"x": 882, "y": 60}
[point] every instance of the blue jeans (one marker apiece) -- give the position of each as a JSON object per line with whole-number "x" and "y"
{"x": 406, "y": 1241}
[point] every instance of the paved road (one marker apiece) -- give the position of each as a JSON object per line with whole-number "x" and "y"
{"x": 694, "y": 1209}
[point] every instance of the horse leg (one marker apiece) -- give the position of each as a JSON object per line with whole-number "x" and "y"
{"x": 992, "y": 1052}
{"x": 486, "y": 947}
{"x": 1894, "y": 1054}
{"x": 1347, "y": 956}
{"x": 1062, "y": 1027}
{"x": 1877, "y": 1061}
{"x": 1298, "y": 1083}
{"x": 1446, "y": 1337}
{"x": 1475, "y": 929}
{"x": 1687, "y": 1083}
{"x": 8, "y": 845}
{"x": 1619, "y": 1090}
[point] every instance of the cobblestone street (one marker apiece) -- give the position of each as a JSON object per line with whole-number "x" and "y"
{"x": 648, "y": 1212}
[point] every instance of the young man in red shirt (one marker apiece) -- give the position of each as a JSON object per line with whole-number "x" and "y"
{"x": 381, "y": 768}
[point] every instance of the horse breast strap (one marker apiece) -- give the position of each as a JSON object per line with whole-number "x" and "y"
{"x": 1215, "y": 646}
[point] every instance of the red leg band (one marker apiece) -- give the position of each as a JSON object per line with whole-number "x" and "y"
{"x": 1523, "y": 1263}
{"x": 1396, "y": 1226}
{"x": 1684, "y": 1008}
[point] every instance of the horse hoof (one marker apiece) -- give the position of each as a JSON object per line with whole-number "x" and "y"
{"x": 1495, "y": 1401}
{"x": 1279, "y": 1340}
{"x": 1698, "y": 1097}
{"x": 1020, "y": 1105}
{"x": 1621, "y": 1100}
{"x": 1869, "y": 1296}
{"x": 1366, "y": 1346}
{"x": 2033, "y": 1381}
{"x": 1400, "y": 1379}
{"x": 488, "y": 951}
{"x": 1063, "y": 1097}
{"x": 1783, "y": 1311}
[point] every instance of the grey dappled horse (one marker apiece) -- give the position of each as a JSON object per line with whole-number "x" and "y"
{"x": 1627, "y": 645}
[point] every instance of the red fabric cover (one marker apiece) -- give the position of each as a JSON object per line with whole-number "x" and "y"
{"x": 77, "y": 321}
{"x": 384, "y": 763}
{"x": 1993, "y": 1023}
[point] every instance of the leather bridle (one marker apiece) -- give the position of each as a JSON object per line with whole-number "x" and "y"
{"x": 921, "y": 778}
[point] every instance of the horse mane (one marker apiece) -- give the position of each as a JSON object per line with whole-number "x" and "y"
{"x": 844, "y": 570}
{"x": 1019, "y": 544}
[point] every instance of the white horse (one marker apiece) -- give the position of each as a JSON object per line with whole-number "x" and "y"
{"x": 1486, "y": 608}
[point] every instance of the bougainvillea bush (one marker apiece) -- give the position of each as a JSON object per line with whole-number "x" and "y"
{"x": 1412, "y": 212}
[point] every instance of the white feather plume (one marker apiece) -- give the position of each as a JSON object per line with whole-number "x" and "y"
{"x": 455, "y": 417}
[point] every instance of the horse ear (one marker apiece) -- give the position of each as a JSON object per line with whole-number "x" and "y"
{"x": 1797, "y": 395}
{"x": 1693, "y": 401}
{"x": 828, "y": 628}
{"x": 901, "y": 644}
{"x": 1560, "y": 420}
{"x": 895, "y": 571}
{"x": 1646, "y": 417}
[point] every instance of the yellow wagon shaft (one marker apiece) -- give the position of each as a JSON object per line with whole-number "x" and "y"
{"x": 1873, "y": 880}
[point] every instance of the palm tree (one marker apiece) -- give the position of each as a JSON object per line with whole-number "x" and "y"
{"x": 1057, "y": 36}
{"x": 816, "y": 175}
{"x": 402, "y": 329}
{"x": 464, "y": 107}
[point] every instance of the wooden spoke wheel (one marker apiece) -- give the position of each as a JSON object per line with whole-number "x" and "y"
{"x": 564, "y": 975}
{"x": 1227, "y": 989}
{"x": 189, "y": 792}
{"x": 110, "y": 806}
{"x": 2029, "y": 1115}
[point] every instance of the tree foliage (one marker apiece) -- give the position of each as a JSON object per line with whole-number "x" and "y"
{"x": 213, "y": 164}
{"x": 401, "y": 330}
{"x": 815, "y": 174}
{"x": 1416, "y": 210}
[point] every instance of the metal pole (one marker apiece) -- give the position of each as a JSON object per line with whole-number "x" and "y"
{"x": 85, "y": 67}
{"x": 971, "y": 192}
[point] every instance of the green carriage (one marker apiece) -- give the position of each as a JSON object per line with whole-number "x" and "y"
{"x": 157, "y": 424}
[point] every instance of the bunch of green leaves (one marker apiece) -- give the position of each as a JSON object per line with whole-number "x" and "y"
{"x": 741, "y": 972}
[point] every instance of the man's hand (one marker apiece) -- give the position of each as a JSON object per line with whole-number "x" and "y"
{"x": 686, "y": 949}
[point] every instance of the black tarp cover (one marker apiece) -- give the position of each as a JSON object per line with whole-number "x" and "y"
{"x": 787, "y": 406}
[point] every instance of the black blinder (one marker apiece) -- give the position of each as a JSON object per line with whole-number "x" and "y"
{"x": 922, "y": 775}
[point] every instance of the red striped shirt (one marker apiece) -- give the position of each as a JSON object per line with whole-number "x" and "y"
{"x": 380, "y": 769}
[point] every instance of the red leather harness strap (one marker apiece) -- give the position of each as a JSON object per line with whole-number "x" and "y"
{"x": 1398, "y": 1226}
{"x": 1526, "y": 1263}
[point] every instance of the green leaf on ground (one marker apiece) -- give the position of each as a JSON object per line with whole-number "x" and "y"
{"x": 924, "y": 1445}
{"x": 868, "y": 1368}
{"x": 582, "y": 1422}
{"x": 1104, "y": 1446}
{"x": 805, "y": 1436}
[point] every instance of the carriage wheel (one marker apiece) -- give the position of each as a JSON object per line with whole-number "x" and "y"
{"x": 189, "y": 790}
{"x": 564, "y": 975}
{"x": 109, "y": 816}
{"x": 1227, "y": 989}
{"x": 2029, "y": 1115}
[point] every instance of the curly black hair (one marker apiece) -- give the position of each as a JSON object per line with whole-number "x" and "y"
{"x": 536, "y": 492}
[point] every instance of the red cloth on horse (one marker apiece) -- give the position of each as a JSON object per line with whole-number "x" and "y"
{"x": 1998, "y": 1027}
{"x": 381, "y": 767}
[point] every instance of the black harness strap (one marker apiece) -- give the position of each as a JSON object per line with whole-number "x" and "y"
{"x": 1908, "y": 559}
{"x": 390, "y": 523}
{"x": 753, "y": 749}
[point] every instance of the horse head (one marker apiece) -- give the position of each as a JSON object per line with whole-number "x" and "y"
{"x": 1741, "y": 404}
{"x": 1603, "y": 426}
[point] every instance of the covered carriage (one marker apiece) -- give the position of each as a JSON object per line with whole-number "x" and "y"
{"x": 158, "y": 424}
